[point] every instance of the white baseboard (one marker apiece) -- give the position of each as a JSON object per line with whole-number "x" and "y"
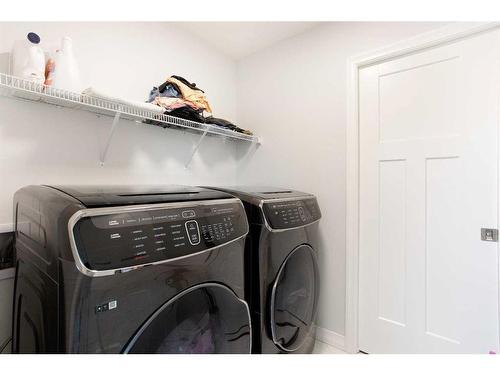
{"x": 331, "y": 338}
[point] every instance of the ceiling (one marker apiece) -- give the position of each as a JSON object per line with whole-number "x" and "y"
{"x": 240, "y": 39}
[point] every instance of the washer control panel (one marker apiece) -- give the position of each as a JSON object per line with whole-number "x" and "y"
{"x": 291, "y": 213}
{"x": 129, "y": 237}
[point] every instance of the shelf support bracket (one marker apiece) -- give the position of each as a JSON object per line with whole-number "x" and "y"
{"x": 105, "y": 149}
{"x": 195, "y": 148}
{"x": 253, "y": 148}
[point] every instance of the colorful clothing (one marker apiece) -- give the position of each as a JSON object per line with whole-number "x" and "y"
{"x": 191, "y": 93}
{"x": 173, "y": 103}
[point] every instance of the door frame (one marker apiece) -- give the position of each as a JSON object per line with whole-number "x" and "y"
{"x": 435, "y": 38}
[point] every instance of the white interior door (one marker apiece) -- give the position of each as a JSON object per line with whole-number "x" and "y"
{"x": 428, "y": 184}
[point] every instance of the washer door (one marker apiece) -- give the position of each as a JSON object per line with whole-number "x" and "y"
{"x": 206, "y": 318}
{"x": 294, "y": 299}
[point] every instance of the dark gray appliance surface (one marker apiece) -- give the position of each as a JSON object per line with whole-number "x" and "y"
{"x": 6, "y": 300}
{"x": 276, "y": 207}
{"x": 6, "y": 290}
{"x": 260, "y": 193}
{"x": 282, "y": 275}
{"x": 120, "y": 195}
{"x": 6, "y": 250}
{"x": 59, "y": 308}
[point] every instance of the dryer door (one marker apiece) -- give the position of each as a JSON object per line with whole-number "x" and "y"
{"x": 294, "y": 299}
{"x": 206, "y": 318}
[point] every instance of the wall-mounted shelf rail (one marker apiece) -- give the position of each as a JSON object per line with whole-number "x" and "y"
{"x": 21, "y": 88}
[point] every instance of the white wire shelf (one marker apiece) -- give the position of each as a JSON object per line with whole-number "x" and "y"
{"x": 20, "y": 88}
{"x": 37, "y": 92}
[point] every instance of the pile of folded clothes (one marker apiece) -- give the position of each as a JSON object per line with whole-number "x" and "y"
{"x": 180, "y": 98}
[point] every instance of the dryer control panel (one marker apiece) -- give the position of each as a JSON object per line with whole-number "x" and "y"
{"x": 289, "y": 213}
{"x": 129, "y": 237}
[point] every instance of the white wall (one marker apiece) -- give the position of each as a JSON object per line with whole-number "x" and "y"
{"x": 293, "y": 94}
{"x": 41, "y": 144}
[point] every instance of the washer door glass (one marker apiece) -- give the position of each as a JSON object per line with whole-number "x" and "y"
{"x": 207, "y": 318}
{"x": 294, "y": 299}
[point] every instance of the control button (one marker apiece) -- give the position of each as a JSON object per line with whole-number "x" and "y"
{"x": 193, "y": 232}
{"x": 188, "y": 214}
{"x": 302, "y": 214}
{"x": 113, "y": 223}
{"x": 115, "y": 236}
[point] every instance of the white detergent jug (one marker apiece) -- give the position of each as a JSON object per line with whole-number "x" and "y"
{"x": 66, "y": 74}
{"x": 28, "y": 59}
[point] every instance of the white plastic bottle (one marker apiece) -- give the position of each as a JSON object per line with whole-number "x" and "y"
{"x": 66, "y": 74}
{"x": 28, "y": 59}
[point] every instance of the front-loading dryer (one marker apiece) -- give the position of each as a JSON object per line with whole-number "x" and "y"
{"x": 141, "y": 269}
{"x": 282, "y": 276}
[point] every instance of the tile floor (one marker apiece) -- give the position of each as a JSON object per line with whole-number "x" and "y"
{"x": 324, "y": 348}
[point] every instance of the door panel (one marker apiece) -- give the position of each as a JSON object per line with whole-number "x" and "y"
{"x": 442, "y": 267}
{"x": 205, "y": 319}
{"x": 428, "y": 183}
{"x": 438, "y": 80}
{"x": 392, "y": 295}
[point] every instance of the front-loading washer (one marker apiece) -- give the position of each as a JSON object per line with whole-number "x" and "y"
{"x": 117, "y": 269}
{"x": 282, "y": 276}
